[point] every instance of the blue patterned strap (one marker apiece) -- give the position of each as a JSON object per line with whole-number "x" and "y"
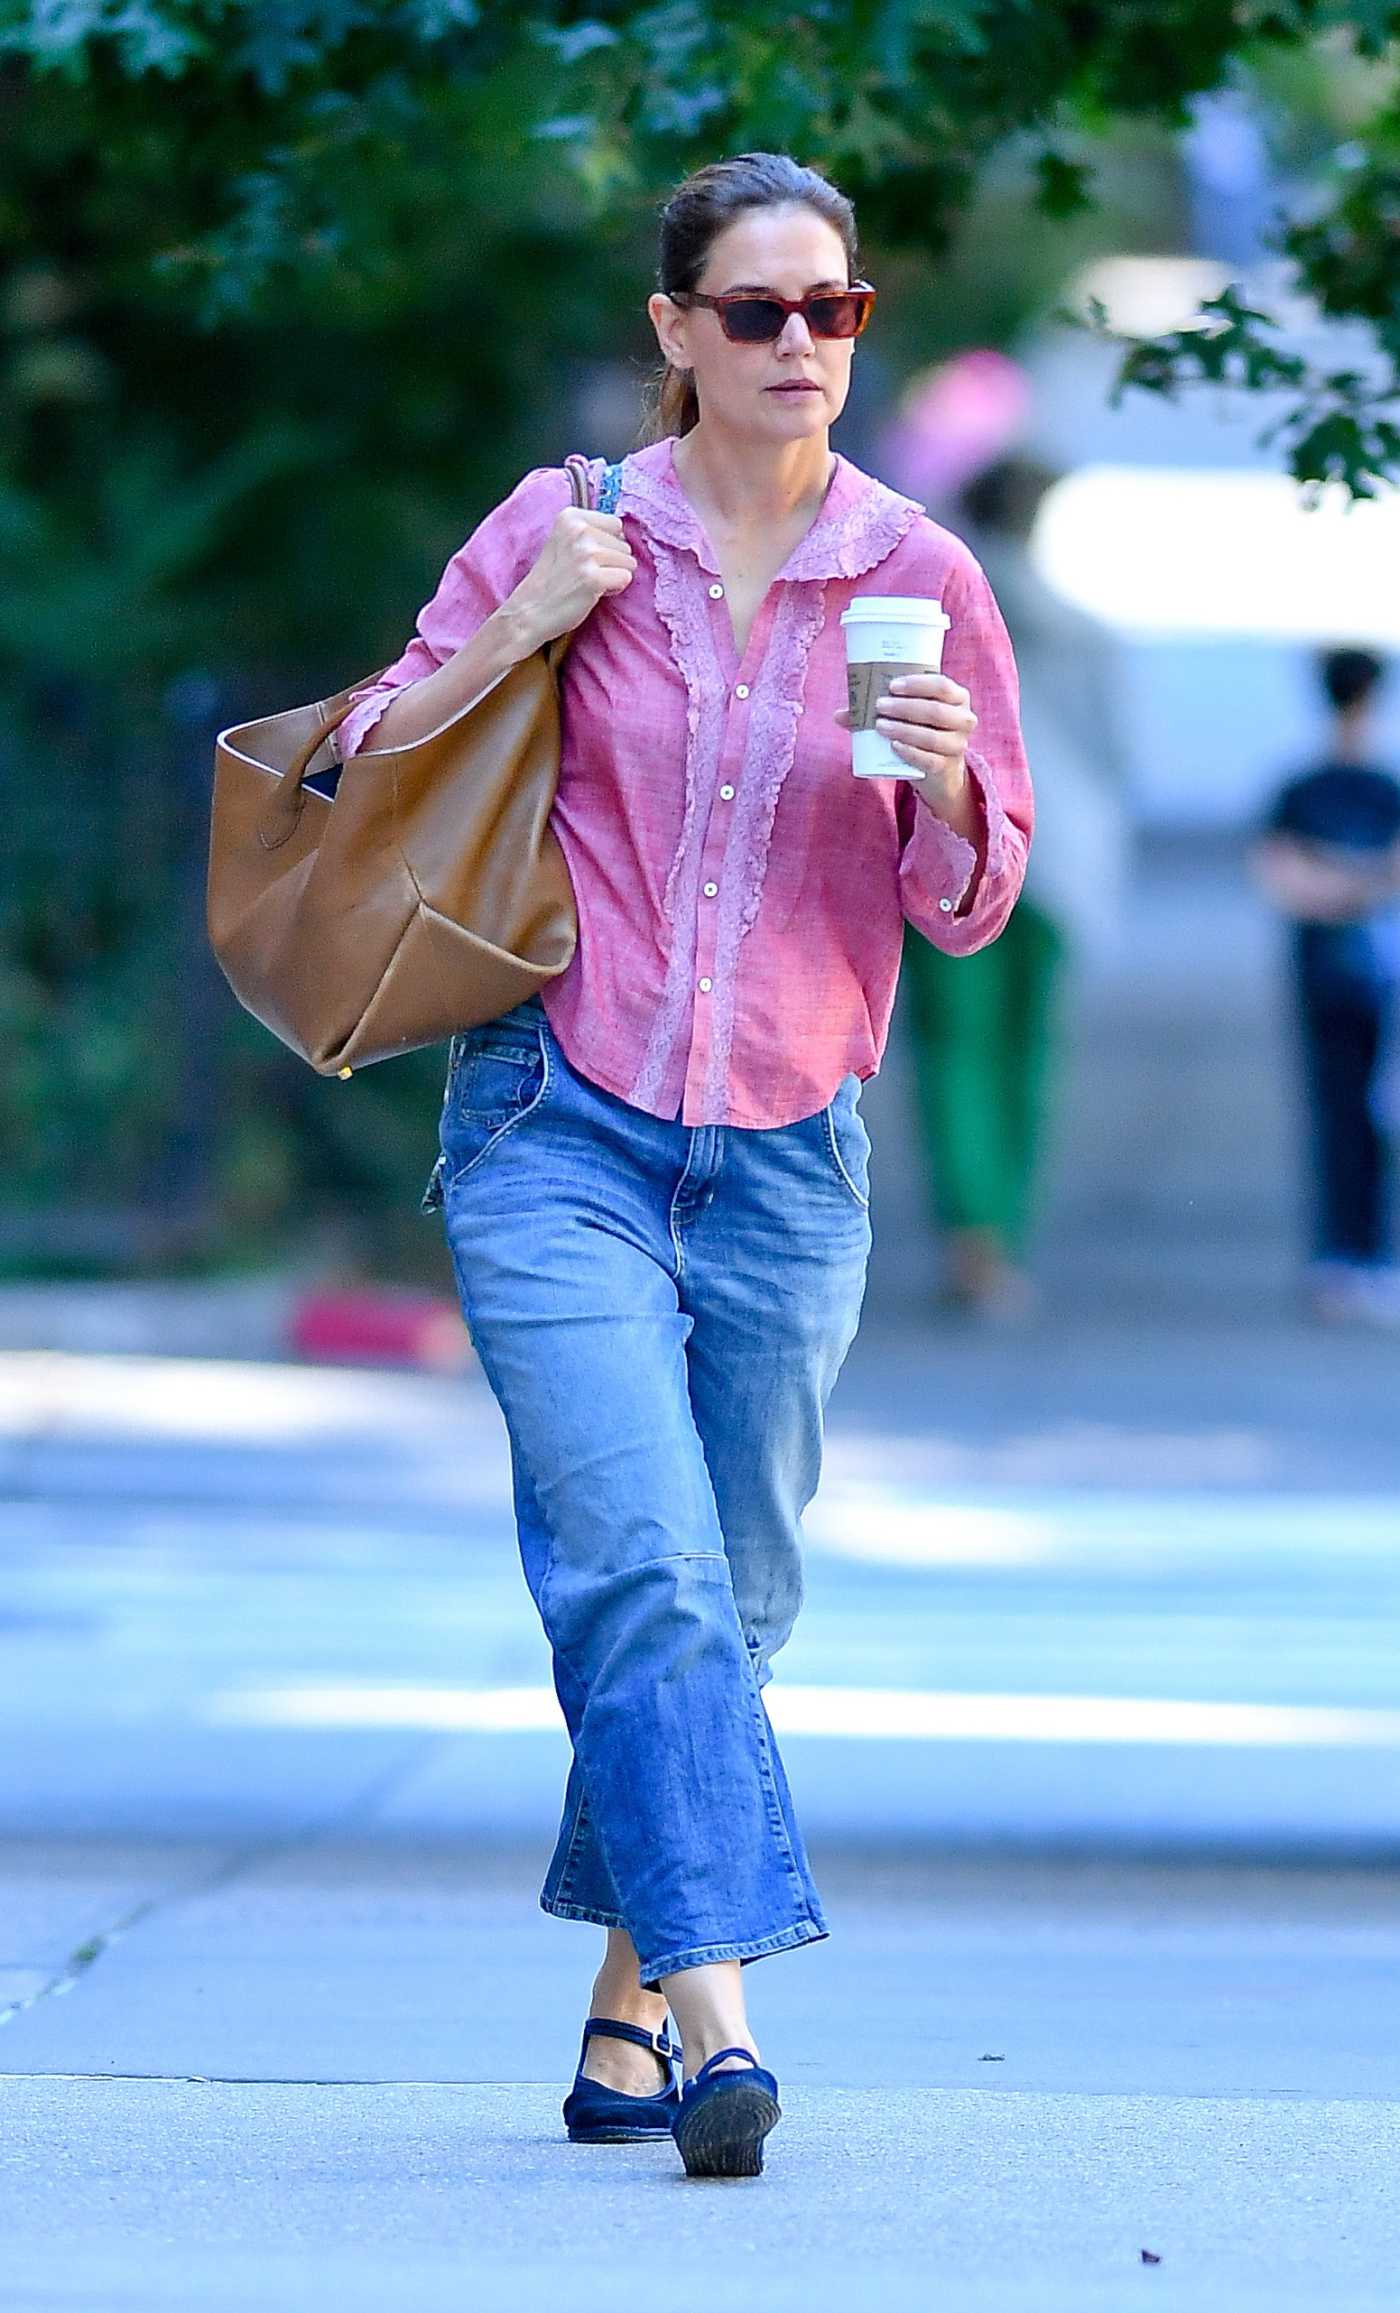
{"x": 608, "y": 490}
{"x": 611, "y": 2029}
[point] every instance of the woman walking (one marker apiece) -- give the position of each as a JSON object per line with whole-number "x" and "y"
{"x": 654, "y": 1177}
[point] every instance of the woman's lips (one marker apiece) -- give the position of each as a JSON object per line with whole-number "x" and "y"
{"x": 804, "y": 388}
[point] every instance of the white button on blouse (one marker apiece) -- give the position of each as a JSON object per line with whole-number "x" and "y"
{"x": 726, "y": 794}
{"x": 715, "y": 593}
{"x": 947, "y": 907}
{"x": 705, "y": 987}
{"x": 710, "y": 890}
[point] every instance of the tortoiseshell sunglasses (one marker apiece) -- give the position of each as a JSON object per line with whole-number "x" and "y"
{"x": 748, "y": 319}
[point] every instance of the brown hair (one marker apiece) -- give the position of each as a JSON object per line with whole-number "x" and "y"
{"x": 692, "y": 220}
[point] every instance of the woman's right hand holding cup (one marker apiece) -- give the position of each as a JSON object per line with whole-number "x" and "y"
{"x": 585, "y": 556}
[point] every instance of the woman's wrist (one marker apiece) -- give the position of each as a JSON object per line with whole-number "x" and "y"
{"x": 484, "y": 660}
{"x": 953, "y": 800}
{"x": 515, "y": 632}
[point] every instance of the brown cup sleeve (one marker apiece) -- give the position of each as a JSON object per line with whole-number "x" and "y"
{"x": 868, "y": 679}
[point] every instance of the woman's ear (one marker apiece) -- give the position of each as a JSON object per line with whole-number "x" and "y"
{"x": 668, "y": 320}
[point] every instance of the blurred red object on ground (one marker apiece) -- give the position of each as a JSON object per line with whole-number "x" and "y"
{"x": 380, "y": 1325}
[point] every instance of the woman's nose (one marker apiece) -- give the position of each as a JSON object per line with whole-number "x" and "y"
{"x": 797, "y": 337}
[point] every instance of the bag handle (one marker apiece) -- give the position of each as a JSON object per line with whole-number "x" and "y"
{"x": 581, "y": 482}
{"x": 288, "y": 800}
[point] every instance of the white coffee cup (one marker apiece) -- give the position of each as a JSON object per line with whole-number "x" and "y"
{"x": 886, "y": 635}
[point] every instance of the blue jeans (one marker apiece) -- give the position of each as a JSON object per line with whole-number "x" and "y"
{"x": 660, "y": 1310}
{"x": 1344, "y": 1033}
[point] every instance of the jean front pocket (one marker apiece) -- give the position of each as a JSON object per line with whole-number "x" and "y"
{"x": 497, "y": 1075}
{"x": 847, "y": 1141}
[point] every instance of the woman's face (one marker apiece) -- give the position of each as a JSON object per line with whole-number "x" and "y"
{"x": 788, "y": 250}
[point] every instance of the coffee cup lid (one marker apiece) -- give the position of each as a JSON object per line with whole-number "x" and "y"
{"x": 921, "y": 609}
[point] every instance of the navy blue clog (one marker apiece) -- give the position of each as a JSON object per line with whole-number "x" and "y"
{"x": 597, "y": 2114}
{"x": 724, "y": 2117}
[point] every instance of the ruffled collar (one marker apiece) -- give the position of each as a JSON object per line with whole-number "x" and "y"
{"x": 860, "y": 521}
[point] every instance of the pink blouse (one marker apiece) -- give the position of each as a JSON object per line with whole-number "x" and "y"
{"x": 740, "y": 894}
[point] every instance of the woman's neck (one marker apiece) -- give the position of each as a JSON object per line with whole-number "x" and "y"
{"x": 743, "y": 485}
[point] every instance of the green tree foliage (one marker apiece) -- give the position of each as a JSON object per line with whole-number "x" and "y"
{"x": 243, "y": 157}
{"x": 289, "y": 289}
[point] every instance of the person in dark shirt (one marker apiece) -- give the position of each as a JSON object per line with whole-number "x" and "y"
{"x": 1328, "y": 855}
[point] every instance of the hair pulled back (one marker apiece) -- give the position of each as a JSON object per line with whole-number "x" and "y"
{"x": 692, "y": 219}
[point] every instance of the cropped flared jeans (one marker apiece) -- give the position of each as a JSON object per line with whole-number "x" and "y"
{"x": 660, "y": 1310}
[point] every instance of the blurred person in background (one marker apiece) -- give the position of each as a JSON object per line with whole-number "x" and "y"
{"x": 984, "y": 1036}
{"x": 1328, "y": 856}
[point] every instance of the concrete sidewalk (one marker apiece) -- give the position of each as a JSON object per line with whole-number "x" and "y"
{"x": 1091, "y": 1718}
{"x": 329, "y": 2073}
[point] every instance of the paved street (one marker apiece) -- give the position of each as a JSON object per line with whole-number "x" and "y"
{"x": 1093, "y": 1718}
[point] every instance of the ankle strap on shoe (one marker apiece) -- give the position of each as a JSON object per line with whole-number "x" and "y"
{"x": 611, "y": 2028}
{"x": 718, "y": 2058}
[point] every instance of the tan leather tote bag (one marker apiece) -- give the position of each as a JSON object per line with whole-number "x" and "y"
{"x": 429, "y": 894}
